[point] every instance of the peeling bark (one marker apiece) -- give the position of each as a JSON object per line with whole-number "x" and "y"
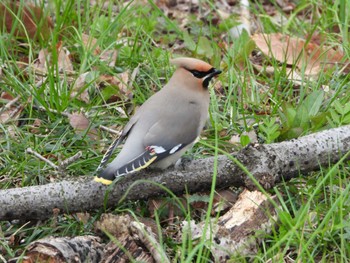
{"x": 267, "y": 163}
{"x": 132, "y": 240}
{"x": 236, "y": 232}
{"x": 64, "y": 249}
{"x": 122, "y": 247}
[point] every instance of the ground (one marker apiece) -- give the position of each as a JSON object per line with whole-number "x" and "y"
{"x": 71, "y": 71}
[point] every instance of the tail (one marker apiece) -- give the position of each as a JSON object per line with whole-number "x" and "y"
{"x": 140, "y": 162}
{"x": 151, "y": 154}
{"x": 109, "y": 153}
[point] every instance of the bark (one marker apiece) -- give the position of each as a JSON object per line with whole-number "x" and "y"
{"x": 64, "y": 249}
{"x": 269, "y": 164}
{"x": 132, "y": 239}
{"x": 239, "y": 231}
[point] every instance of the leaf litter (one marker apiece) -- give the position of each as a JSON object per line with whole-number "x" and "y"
{"x": 308, "y": 58}
{"x": 285, "y": 49}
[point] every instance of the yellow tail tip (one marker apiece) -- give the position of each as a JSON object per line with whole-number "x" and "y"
{"x": 102, "y": 180}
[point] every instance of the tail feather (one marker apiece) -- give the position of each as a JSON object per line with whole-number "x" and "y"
{"x": 150, "y": 155}
{"x": 109, "y": 153}
{"x": 140, "y": 162}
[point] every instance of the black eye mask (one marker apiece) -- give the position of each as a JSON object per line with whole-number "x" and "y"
{"x": 201, "y": 74}
{"x": 206, "y": 75}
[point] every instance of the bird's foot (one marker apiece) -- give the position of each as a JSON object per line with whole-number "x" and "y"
{"x": 183, "y": 162}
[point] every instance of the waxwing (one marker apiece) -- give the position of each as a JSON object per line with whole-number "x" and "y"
{"x": 166, "y": 125}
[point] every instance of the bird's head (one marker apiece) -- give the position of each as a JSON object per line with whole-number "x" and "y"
{"x": 192, "y": 70}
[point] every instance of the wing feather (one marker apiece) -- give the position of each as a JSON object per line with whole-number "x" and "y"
{"x": 116, "y": 142}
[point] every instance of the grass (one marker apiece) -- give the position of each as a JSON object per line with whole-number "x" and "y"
{"x": 313, "y": 219}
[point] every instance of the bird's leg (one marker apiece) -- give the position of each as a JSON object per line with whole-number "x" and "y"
{"x": 183, "y": 162}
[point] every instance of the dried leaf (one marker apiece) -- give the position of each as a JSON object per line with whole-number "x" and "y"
{"x": 6, "y": 96}
{"x": 120, "y": 82}
{"x": 91, "y": 43}
{"x": 35, "y": 127}
{"x": 41, "y": 62}
{"x": 44, "y": 60}
{"x": 83, "y": 217}
{"x": 109, "y": 56}
{"x": 10, "y": 112}
{"x": 169, "y": 210}
{"x": 295, "y": 51}
{"x": 78, "y": 85}
{"x": 286, "y": 6}
{"x": 80, "y": 124}
{"x": 78, "y": 121}
{"x": 124, "y": 78}
{"x": 63, "y": 61}
{"x": 235, "y": 139}
{"x": 30, "y": 15}
{"x": 223, "y": 199}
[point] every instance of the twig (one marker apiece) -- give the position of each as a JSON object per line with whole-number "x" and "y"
{"x": 41, "y": 82}
{"x": 63, "y": 113}
{"x": 18, "y": 110}
{"x": 3, "y": 259}
{"x": 102, "y": 127}
{"x": 134, "y": 73}
{"x": 9, "y": 104}
{"x": 63, "y": 164}
{"x": 39, "y": 156}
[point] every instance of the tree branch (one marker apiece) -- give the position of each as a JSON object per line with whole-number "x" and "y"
{"x": 267, "y": 163}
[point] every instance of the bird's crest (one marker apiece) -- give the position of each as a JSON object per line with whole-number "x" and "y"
{"x": 191, "y": 64}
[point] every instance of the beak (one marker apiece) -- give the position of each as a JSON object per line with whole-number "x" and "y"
{"x": 214, "y": 73}
{"x": 208, "y": 77}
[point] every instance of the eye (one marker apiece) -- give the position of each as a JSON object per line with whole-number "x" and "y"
{"x": 197, "y": 74}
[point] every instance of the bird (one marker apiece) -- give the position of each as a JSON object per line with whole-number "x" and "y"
{"x": 165, "y": 125}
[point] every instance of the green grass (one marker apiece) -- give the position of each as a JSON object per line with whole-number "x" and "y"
{"x": 313, "y": 218}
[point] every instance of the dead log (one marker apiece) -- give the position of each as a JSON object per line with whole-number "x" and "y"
{"x": 237, "y": 231}
{"x": 135, "y": 239}
{"x": 132, "y": 239}
{"x": 267, "y": 163}
{"x": 64, "y": 249}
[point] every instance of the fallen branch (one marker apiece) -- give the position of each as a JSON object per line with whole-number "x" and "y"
{"x": 267, "y": 163}
{"x": 239, "y": 231}
{"x": 131, "y": 241}
{"x": 64, "y": 249}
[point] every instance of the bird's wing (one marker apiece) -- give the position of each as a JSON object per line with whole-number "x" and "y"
{"x": 116, "y": 142}
{"x": 169, "y": 135}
